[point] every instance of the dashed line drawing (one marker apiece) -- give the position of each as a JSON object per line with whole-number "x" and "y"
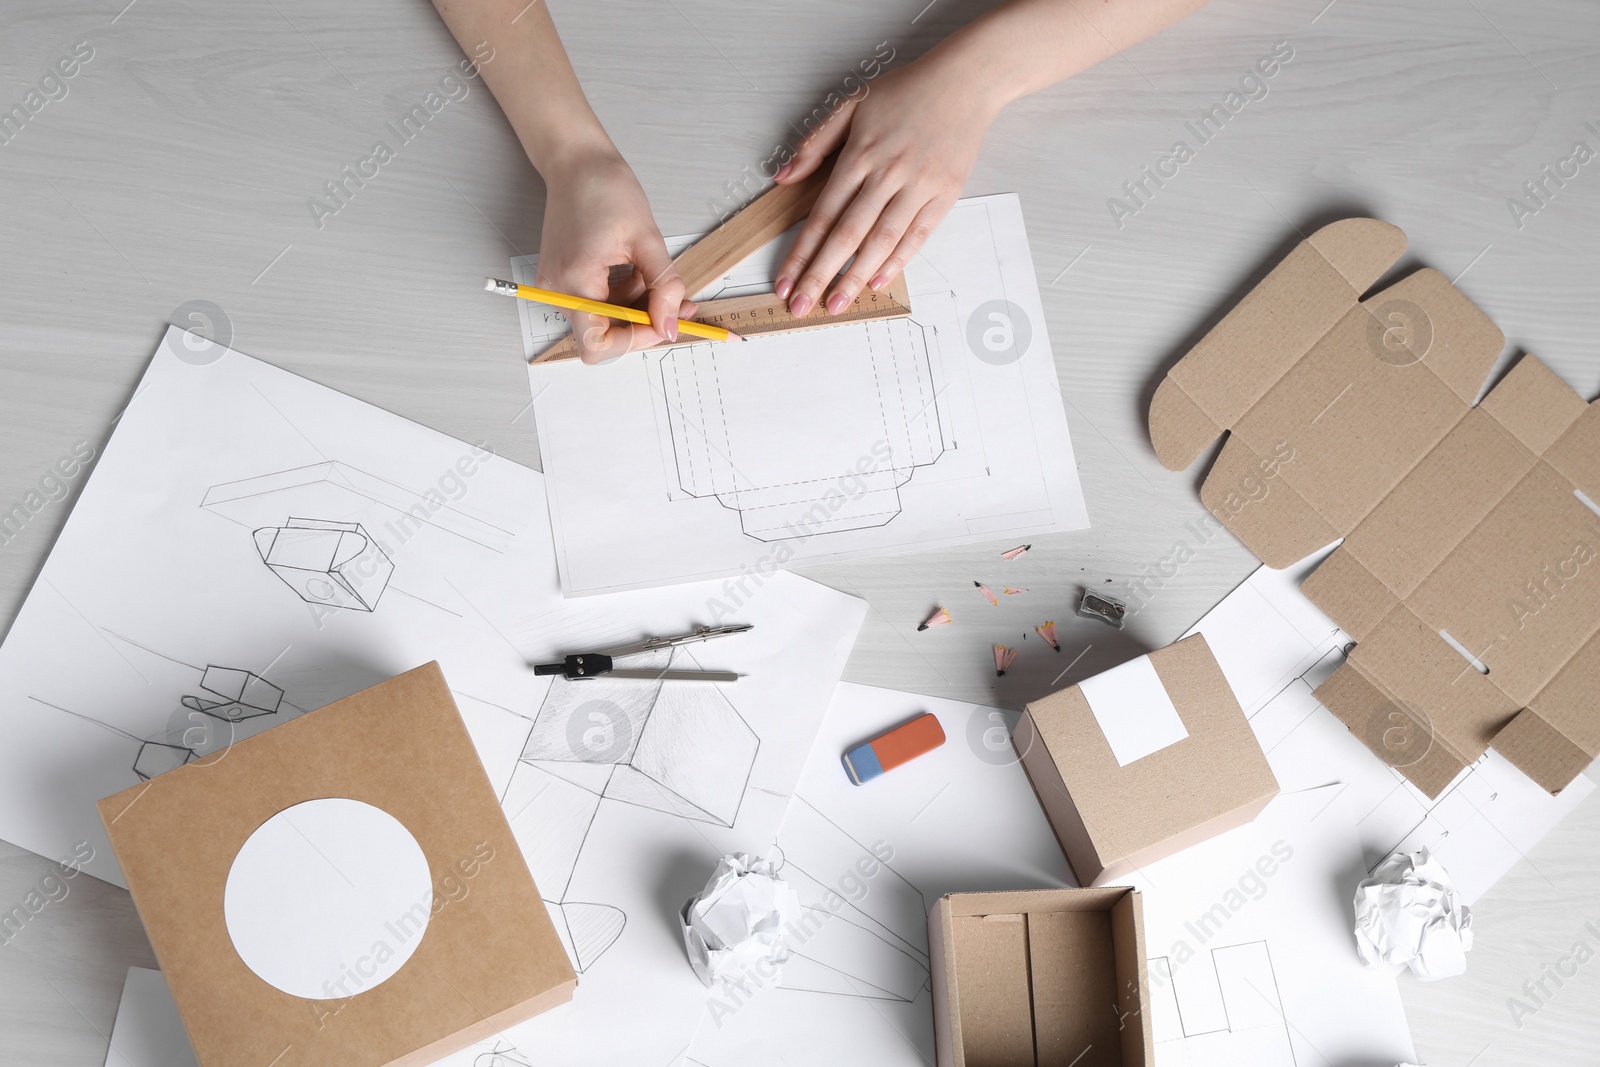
{"x": 774, "y": 465}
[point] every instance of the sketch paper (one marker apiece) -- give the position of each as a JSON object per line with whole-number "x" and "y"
{"x": 1275, "y": 647}
{"x": 710, "y": 459}
{"x": 855, "y": 990}
{"x": 147, "y": 1031}
{"x": 165, "y": 624}
{"x": 1250, "y": 951}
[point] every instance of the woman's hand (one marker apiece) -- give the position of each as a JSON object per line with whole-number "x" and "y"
{"x": 909, "y": 143}
{"x": 596, "y": 216}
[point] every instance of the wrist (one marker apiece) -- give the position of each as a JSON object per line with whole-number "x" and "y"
{"x": 561, "y": 155}
{"x": 969, "y": 64}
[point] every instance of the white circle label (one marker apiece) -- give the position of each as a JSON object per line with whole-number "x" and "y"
{"x": 328, "y": 899}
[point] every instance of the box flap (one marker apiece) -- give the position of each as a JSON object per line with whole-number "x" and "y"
{"x": 1464, "y": 574}
{"x": 1241, "y": 357}
{"x": 996, "y": 1008}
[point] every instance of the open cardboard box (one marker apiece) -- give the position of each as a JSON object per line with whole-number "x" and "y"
{"x": 488, "y": 956}
{"x": 1040, "y": 978}
{"x": 1143, "y": 760}
{"x": 1470, "y": 568}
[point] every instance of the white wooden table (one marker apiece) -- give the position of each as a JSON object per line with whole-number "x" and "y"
{"x": 179, "y": 164}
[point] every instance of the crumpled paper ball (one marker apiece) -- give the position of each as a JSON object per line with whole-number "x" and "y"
{"x": 737, "y": 921}
{"x": 1408, "y": 914}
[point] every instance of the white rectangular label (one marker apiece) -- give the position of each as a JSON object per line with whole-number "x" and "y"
{"x": 1133, "y": 710}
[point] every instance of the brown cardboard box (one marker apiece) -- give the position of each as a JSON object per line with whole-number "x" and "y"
{"x": 487, "y": 960}
{"x": 1040, "y": 978}
{"x": 1470, "y": 569}
{"x": 1113, "y": 818}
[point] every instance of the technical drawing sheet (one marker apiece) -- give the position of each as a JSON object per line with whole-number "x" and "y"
{"x": 1275, "y": 648}
{"x": 712, "y": 459}
{"x": 1251, "y": 958}
{"x": 251, "y": 546}
{"x": 869, "y": 862}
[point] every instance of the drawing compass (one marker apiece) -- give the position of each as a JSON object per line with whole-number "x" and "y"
{"x": 586, "y": 665}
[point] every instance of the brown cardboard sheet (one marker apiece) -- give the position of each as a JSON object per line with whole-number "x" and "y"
{"x": 1470, "y": 567}
{"x": 489, "y": 956}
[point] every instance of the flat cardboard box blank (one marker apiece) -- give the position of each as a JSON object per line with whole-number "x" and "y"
{"x": 1470, "y": 568}
{"x": 1042, "y": 978}
{"x": 488, "y": 960}
{"x": 1112, "y": 819}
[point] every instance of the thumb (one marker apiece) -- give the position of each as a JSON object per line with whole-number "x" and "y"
{"x": 654, "y": 267}
{"x": 817, "y": 146}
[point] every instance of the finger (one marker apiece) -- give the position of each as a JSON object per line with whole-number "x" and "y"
{"x": 598, "y": 337}
{"x": 817, "y": 146}
{"x": 886, "y": 234}
{"x": 916, "y": 235}
{"x": 842, "y": 241}
{"x": 841, "y": 188}
{"x": 666, "y": 294}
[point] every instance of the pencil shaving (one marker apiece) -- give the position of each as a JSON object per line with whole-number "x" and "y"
{"x": 1002, "y": 659}
{"x": 1047, "y": 630}
{"x": 1013, "y": 553}
{"x": 940, "y": 617}
{"x": 993, "y": 600}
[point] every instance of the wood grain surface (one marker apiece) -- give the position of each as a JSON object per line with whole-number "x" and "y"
{"x": 180, "y": 163}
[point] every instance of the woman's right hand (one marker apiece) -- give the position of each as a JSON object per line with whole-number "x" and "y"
{"x": 596, "y": 216}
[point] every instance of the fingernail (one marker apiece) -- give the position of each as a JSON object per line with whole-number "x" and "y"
{"x": 783, "y": 172}
{"x": 837, "y": 303}
{"x": 782, "y": 289}
{"x": 878, "y": 283}
{"x": 801, "y": 305}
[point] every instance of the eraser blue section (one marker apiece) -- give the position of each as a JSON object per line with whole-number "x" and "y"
{"x": 861, "y": 763}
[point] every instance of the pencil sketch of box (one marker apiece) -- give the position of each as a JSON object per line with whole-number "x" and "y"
{"x": 677, "y": 747}
{"x": 244, "y": 695}
{"x": 333, "y": 563}
{"x": 826, "y": 449}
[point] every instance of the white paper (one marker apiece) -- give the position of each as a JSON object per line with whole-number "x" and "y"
{"x": 318, "y": 888}
{"x": 1275, "y": 647}
{"x": 1408, "y": 914}
{"x": 157, "y": 626}
{"x": 706, "y": 460}
{"x": 740, "y": 920}
{"x": 1133, "y": 710}
{"x": 1250, "y": 955}
{"x": 148, "y": 1032}
{"x": 868, "y": 864}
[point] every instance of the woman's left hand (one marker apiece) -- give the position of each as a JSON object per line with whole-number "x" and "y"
{"x": 909, "y": 143}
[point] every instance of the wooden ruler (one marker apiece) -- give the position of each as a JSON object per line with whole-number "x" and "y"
{"x": 764, "y": 313}
{"x": 763, "y": 219}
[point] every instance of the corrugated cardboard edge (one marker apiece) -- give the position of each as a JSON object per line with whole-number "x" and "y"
{"x": 1044, "y": 777}
{"x": 1347, "y": 256}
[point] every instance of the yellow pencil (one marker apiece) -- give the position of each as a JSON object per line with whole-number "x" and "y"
{"x": 600, "y": 307}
